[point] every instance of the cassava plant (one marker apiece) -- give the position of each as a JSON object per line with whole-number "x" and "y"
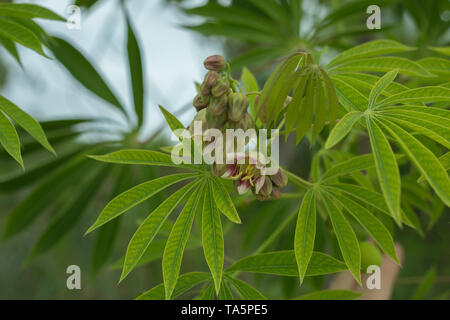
{"x": 359, "y": 96}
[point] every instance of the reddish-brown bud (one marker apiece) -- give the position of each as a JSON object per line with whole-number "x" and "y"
{"x": 200, "y": 102}
{"x": 218, "y": 105}
{"x": 238, "y": 104}
{"x": 215, "y": 62}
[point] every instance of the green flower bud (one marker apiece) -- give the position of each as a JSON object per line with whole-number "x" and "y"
{"x": 246, "y": 122}
{"x": 211, "y": 78}
{"x": 215, "y": 62}
{"x": 200, "y": 116}
{"x": 279, "y": 179}
{"x": 238, "y": 104}
{"x": 200, "y": 102}
{"x": 215, "y": 121}
{"x": 220, "y": 88}
{"x": 205, "y": 90}
{"x": 218, "y": 105}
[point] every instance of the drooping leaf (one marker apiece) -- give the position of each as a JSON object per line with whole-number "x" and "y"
{"x": 25, "y": 121}
{"x": 136, "y": 72}
{"x": 82, "y": 70}
{"x": 21, "y": 35}
{"x": 9, "y": 138}
{"x": 26, "y": 10}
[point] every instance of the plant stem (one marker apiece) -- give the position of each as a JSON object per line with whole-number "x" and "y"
{"x": 299, "y": 182}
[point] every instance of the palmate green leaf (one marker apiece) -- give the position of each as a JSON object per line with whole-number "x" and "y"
{"x": 69, "y": 217}
{"x": 147, "y": 231}
{"x": 424, "y": 159}
{"x": 21, "y": 35}
{"x": 434, "y": 131}
{"x": 283, "y": 263}
{"x": 342, "y": 128}
{"x": 349, "y": 97}
{"x": 423, "y": 94}
{"x": 9, "y": 138}
{"x": 136, "y": 195}
{"x": 185, "y": 282}
{"x": 28, "y": 11}
{"x": 386, "y": 167}
{"x": 353, "y": 164}
{"x": 383, "y": 64}
{"x": 223, "y": 200}
{"x": 25, "y": 121}
{"x": 348, "y": 243}
{"x": 305, "y": 233}
{"x": 46, "y": 193}
{"x": 369, "y": 49}
{"x": 172, "y": 121}
{"x": 371, "y": 198}
{"x": 173, "y": 252}
{"x": 136, "y": 72}
{"x": 144, "y": 157}
{"x": 212, "y": 237}
{"x": 371, "y": 224}
{"x": 82, "y": 70}
{"x": 330, "y": 295}
{"x": 381, "y": 85}
{"x": 246, "y": 291}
